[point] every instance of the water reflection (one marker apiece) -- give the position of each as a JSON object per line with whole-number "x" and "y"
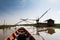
{"x": 47, "y": 30}
{"x": 50, "y": 30}
{"x": 4, "y": 33}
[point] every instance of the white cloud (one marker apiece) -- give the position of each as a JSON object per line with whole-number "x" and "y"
{"x": 53, "y": 1}
{"x": 56, "y": 16}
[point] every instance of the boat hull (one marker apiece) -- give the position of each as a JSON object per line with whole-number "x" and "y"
{"x": 13, "y": 35}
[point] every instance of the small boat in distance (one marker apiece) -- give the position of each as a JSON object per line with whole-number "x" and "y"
{"x": 20, "y": 34}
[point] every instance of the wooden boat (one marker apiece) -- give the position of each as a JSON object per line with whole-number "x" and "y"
{"x": 18, "y": 33}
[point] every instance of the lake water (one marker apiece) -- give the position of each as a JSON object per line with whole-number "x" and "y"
{"x": 4, "y": 33}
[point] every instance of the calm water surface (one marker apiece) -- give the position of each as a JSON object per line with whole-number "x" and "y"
{"x": 4, "y": 33}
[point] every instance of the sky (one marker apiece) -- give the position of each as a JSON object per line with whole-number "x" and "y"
{"x": 13, "y": 10}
